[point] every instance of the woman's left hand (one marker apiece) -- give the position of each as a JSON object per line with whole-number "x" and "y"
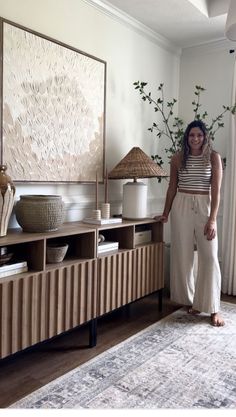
{"x": 210, "y": 229}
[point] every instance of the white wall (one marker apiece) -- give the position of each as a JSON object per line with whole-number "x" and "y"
{"x": 210, "y": 66}
{"x": 130, "y": 56}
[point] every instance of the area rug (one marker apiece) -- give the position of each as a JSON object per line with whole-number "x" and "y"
{"x": 179, "y": 362}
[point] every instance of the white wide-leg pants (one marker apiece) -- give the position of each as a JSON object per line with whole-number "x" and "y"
{"x": 189, "y": 214}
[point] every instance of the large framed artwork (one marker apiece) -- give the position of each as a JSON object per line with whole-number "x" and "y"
{"x": 52, "y": 109}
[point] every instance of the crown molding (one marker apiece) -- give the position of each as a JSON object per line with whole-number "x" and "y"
{"x": 209, "y": 47}
{"x": 122, "y": 17}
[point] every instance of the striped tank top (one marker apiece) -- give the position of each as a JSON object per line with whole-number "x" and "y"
{"x": 196, "y": 176}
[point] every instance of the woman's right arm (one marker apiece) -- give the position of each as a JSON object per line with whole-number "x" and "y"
{"x": 172, "y": 189}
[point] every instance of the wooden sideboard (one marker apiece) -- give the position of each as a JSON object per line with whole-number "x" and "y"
{"x": 50, "y": 299}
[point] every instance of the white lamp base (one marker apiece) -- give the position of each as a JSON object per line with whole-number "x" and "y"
{"x": 134, "y": 200}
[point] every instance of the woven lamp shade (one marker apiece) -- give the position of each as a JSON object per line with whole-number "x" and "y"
{"x": 136, "y": 164}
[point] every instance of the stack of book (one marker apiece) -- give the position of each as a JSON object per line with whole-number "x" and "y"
{"x": 107, "y": 246}
{"x": 13, "y": 268}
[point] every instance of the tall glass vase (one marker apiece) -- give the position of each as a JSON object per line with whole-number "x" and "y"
{"x": 7, "y": 195}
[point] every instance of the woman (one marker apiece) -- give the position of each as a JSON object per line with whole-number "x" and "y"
{"x": 193, "y": 198}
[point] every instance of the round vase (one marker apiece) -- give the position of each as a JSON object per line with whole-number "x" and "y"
{"x": 6, "y": 199}
{"x": 40, "y": 213}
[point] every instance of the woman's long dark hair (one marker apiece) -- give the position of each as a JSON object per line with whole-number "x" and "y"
{"x": 206, "y": 146}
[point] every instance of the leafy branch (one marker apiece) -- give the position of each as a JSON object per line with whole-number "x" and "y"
{"x": 172, "y": 127}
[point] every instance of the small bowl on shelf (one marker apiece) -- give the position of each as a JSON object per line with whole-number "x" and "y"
{"x": 56, "y": 252}
{"x": 3, "y": 250}
{"x": 6, "y": 257}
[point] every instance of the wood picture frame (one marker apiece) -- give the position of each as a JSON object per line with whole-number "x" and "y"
{"x": 52, "y": 109}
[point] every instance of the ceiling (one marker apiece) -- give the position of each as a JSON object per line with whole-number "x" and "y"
{"x": 185, "y": 23}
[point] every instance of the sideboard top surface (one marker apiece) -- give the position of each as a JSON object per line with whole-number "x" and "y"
{"x": 17, "y": 235}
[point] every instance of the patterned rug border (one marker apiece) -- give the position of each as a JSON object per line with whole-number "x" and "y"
{"x": 199, "y": 319}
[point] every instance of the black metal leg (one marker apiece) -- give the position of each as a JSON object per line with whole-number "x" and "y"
{"x": 92, "y": 332}
{"x": 160, "y": 299}
{"x": 127, "y": 311}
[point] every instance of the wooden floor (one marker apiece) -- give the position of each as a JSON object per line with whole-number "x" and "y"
{"x": 27, "y": 371}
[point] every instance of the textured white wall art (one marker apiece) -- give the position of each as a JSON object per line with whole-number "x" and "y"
{"x": 53, "y": 109}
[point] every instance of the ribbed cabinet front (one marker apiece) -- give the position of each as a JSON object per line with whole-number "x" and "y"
{"x": 39, "y": 306}
{"x": 126, "y": 276}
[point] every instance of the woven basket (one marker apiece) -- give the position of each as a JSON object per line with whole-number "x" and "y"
{"x": 40, "y": 213}
{"x": 56, "y": 252}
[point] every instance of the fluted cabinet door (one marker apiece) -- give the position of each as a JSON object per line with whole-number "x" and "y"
{"x": 20, "y": 307}
{"x": 71, "y": 297}
{"x": 38, "y": 306}
{"x": 126, "y": 276}
{"x": 147, "y": 268}
{"x": 114, "y": 281}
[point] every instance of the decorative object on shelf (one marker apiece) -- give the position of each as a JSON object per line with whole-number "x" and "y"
{"x": 16, "y": 271}
{"x": 40, "y": 213}
{"x": 106, "y": 188}
{"x": 13, "y": 268}
{"x": 101, "y": 222}
{"x": 105, "y": 210}
{"x": 3, "y": 250}
{"x": 4, "y": 258}
{"x": 101, "y": 238}
{"x": 4, "y": 255}
{"x": 56, "y": 252}
{"x": 136, "y": 164}
{"x": 6, "y": 199}
{"x": 106, "y": 205}
{"x": 96, "y": 196}
{"x": 141, "y": 237}
{"x": 107, "y": 246}
{"x": 13, "y": 265}
{"x": 96, "y": 214}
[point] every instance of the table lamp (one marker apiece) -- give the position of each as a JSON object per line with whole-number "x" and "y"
{"x": 136, "y": 164}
